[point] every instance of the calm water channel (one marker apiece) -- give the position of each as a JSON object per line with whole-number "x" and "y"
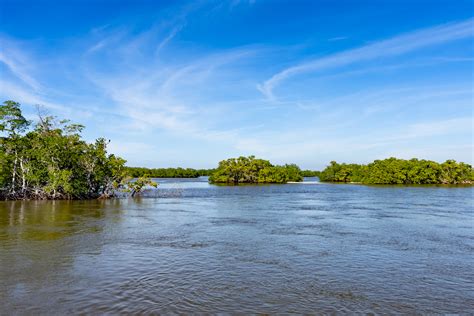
{"x": 192, "y": 247}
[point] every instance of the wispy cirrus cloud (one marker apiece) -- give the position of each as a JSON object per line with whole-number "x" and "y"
{"x": 16, "y": 92}
{"x": 156, "y": 94}
{"x": 398, "y": 45}
{"x": 17, "y": 77}
{"x": 160, "y": 91}
{"x": 17, "y": 63}
{"x": 337, "y": 38}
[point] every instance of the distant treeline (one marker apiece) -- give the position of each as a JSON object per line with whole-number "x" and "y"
{"x": 252, "y": 170}
{"x": 310, "y": 173}
{"x": 187, "y": 172}
{"x": 400, "y": 171}
{"x": 167, "y": 172}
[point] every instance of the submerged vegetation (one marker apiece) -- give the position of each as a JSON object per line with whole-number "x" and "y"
{"x": 168, "y": 172}
{"x": 252, "y": 170}
{"x": 50, "y": 160}
{"x": 400, "y": 171}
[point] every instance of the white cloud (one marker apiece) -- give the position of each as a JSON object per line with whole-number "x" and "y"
{"x": 208, "y": 97}
{"x": 16, "y": 92}
{"x": 158, "y": 95}
{"x": 392, "y": 47}
{"x": 337, "y": 38}
{"x": 17, "y": 63}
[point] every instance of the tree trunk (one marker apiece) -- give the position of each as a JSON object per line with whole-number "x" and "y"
{"x": 23, "y": 177}
{"x": 14, "y": 174}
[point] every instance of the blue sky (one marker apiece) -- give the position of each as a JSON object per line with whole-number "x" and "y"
{"x": 191, "y": 83}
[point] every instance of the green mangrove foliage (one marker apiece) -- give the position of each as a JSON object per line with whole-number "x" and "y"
{"x": 187, "y": 172}
{"x": 252, "y": 170}
{"x": 310, "y": 173}
{"x": 168, "y": 172}
{"x": 400, "y": 171}
{"x": 49, "y": 160}
{"x": 137, "y": 186}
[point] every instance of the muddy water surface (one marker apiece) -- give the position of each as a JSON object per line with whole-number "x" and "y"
{"x": 192, "y": 247}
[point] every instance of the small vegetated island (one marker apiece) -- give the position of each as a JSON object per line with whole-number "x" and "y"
{"x": 400, "y": 171}
{"x": 252, "y": 170}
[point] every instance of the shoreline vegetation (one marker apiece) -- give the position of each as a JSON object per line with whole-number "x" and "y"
{"x": 252, "y": 170}
{"x": 136, "y": 172}
{"x": 400, "y": 171}
{"x": 50, "y": 160}
{"x": 179, "y": 172}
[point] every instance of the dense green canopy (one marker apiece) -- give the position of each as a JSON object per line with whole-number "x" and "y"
{"x": 168, "y": 172}
{"x": 252, "y": 170}
{"x": 400, "y": 171}
{"x": 310, "y": 173}
{"x": 51, "y": 161}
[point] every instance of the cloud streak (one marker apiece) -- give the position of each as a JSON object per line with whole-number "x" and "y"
{"x": 17, "y": 64}
{"x": 157, "y": 94}
{"x": 398, "y": 45}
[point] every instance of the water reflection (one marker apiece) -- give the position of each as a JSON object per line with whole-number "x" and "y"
{"x": 48, "y": 220}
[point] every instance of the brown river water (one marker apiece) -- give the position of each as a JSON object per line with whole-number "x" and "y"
{"x": 190, "y": 247}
